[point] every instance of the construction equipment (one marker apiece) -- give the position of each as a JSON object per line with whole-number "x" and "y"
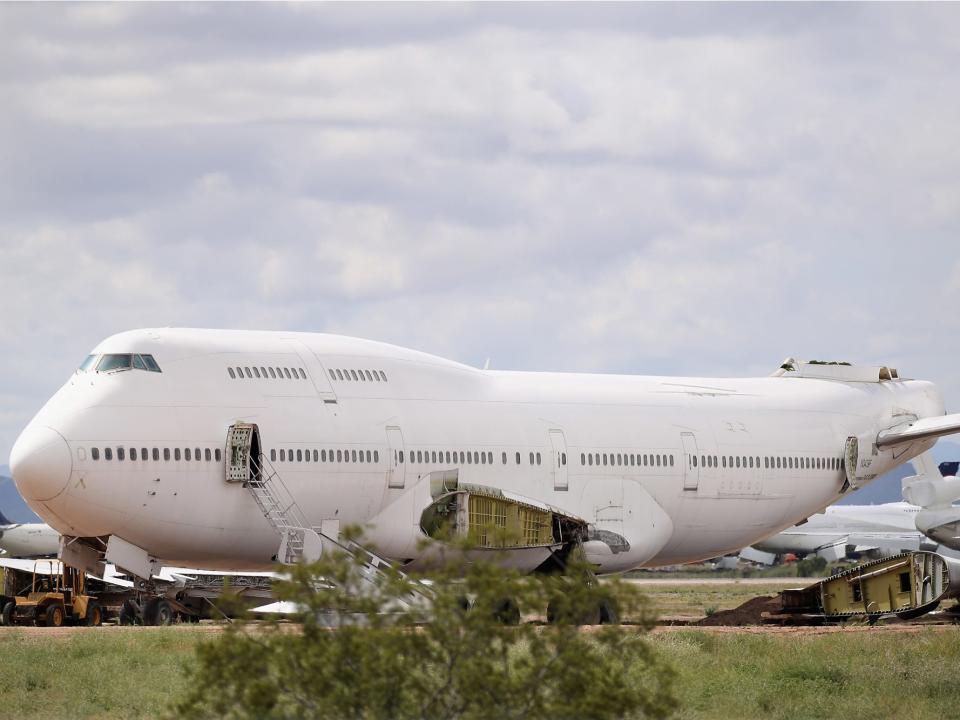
{"x": 55, "y": 598}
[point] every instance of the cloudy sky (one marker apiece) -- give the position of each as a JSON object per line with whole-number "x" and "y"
{"x": 635, "y": 188}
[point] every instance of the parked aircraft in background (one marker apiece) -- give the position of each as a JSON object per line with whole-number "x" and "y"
{"x": 888, "y": 528}
{"x": 27, "y": 540}
{"x": 173, "y": 446}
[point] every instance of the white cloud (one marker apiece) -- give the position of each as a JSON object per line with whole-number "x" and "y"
{"x": 616, "y": 188}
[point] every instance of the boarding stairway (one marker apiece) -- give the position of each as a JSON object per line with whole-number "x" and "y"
{"x": 299, "y": 542}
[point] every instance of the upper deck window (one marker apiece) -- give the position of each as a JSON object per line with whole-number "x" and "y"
{"x": 122, "y": 361}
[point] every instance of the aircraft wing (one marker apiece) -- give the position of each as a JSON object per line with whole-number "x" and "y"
{"x": 923, "y": 429}
{"x": 885, "y": 541}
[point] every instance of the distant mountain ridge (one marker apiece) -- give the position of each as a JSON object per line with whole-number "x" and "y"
{"x": 12, "y": 505}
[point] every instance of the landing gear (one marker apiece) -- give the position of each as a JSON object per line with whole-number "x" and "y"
{"x": 128, "y": 613}
{"x": 507, "y": 612}
{"x": 6, "y": 615}
{"x": 157, "y": 611}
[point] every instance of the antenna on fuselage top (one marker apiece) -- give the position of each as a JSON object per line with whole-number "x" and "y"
{"x": 486, "y": 365}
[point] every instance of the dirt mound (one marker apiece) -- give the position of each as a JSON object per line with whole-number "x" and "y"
{"x": 746, "y": 614}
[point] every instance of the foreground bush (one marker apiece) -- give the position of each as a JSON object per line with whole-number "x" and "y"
{"x": 376, "y": 650}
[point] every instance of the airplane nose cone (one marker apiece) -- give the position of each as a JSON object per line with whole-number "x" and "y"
{"x": 40, "y": 463}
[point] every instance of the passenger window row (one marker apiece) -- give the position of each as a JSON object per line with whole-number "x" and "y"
{"x": 145, "y": 454}
{"x": 358, "y": 375}
{"x": 267, "y": 373}
{"x": 775, "y": 462}
{"x": 626, "y": 459}
{"x": 324, "y": 455}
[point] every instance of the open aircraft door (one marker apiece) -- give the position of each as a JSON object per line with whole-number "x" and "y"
{"x": 691, "y": 466}
{"x": 396, "y": 474}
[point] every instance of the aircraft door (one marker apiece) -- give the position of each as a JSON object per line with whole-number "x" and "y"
{"x": 315, "y": 369}
{"x": 559, "y": 445}
{"x": 243, "y": 453}
{"x": 691, "y": 462}
{"x": 396, "y": 474}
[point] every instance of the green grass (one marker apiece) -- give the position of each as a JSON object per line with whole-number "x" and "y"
{"x": 93, "y": 674}
{"x": 857, "y": 675}
{"x": 852, "y": 675}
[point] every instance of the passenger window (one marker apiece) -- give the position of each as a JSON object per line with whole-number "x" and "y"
{"x": 362, "y": 377}
{"x": 633, "y": 460}
{"x": 283, "y": 455}
{"x": 333, "y": 375}
{"x": 361, "y": 456}
{"x": 462, "y": 460}
{"x": 273, "y": 454}
{"x": 483, "y": 458}
{"x": 166, "y": 454}
{"x": 376, "y": 456}
{"x": 299, "y": 456}
{"x": 353, "y": 455}
{"x": 95, "y": 452}
{"x": 353, "y": 374}
{"x": 604, "y": 458}
{"x": 263, "y": 372}
{"x": 133, "y": 453}
{"x": 383, "y": 375}
{"x": 240, "y": 373}
{"x": 247, "y": 372}
{"x": 658, "y": 460}
{"x": 590, "y": 459}
{"x": 186, "y": 454}
{"x": 339, "y": 375}
{"x": 401, "y": 456}
{"x": 518, "y": 458}
{"x": 176, "y": 454}
{"x": 107, "y": 454}
{"x": 469, "y": 458}
{"x": 120, "y": 454}
{"x": 206, "y": 454}
{"x": 286, "y": 373}
{"x": 216, "y": 454}
{"x": 233, "y": 375}
{"x": 563, "y": 458}
{"x": 368, "y": 456}
{"x": 303, "y": 374}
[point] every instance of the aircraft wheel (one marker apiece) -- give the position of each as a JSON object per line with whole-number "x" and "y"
{"x": 94, "y": 615}
{"x": 157, "y": 612}
{"x": 55, "y": 615}
{"x": 507, "y": 612}
{"x": 6, "y": 615}
{"x": 128, "y": 613}
{"x": 609, "y": 614}
{"x": 561, "y": 612}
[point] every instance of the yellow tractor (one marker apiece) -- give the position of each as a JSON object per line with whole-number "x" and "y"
{"x": 55, "y": 598}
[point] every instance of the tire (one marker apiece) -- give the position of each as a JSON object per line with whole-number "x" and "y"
{"x": 128, "y": 613}
{"x": 507, "y": 612}
{"x": 8, "y": 613}
{"x": 55, "y": 615}
{"x": 94, "y": 615}
{"x": 157, "y": 612}
{"x": 609, "y": 614}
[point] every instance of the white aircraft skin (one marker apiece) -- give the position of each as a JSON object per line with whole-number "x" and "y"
{"x": 28, "y": 540}
{"x": 184, "y": 513}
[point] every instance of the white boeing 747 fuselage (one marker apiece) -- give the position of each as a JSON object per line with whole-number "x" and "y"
{"x": 673, "y": 469}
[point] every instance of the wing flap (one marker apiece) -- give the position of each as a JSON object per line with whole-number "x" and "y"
{"x": 924, "y": 429}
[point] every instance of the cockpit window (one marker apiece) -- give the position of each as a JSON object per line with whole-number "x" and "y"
{"x": 88, "y": 363}
{"x": 114, "y": 362}
{"x": 126, "y": 361}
